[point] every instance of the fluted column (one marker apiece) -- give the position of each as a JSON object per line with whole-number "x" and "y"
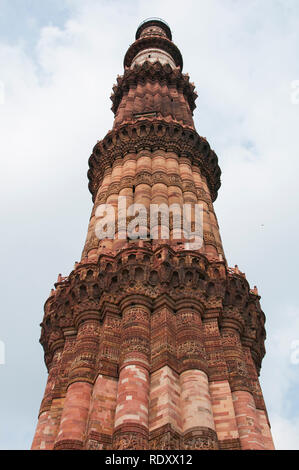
{"x": 261, "y": 412}
{"x": 244, "y": 405}
{"x": 175, "y": 195}
{"x": 45, "y": 434}
{"x": 131, "y": 416}
{"x": 163, "y": 334}
{"x": 73, "y": 423}
{"x": 164, "y": 411}
{"x": 212, "y": 234}
{"x": 204, "y": 197}
{"x": 92, "y": 244}
{"x": 126, "y": 191}
{"x": 222, "y": 401}
{"x": 196, "y": 407}
{"x": 103, "y": 401}
{"x": 60, "y": 387}
{"x": 264, "y": 425}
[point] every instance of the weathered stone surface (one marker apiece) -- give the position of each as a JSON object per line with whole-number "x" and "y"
{"x": 150, "y": 345}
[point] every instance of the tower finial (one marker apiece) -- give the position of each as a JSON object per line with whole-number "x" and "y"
{"x": 153, "y": 40}
{"x": 153, "y": 26}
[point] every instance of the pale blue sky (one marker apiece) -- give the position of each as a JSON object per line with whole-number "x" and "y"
{"x": 58, "y": 62}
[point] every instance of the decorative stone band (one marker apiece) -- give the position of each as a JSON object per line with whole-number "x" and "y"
{"x": 150, "y": 179}
{"x": 200, "y": 438}
{"x": 197, "y": 438}
{"x": 157, "y": 42}
{"x": 98, "y": 441}
{"x": 165, "y": 438}
{"x": 181, "y": 276}
{"x": 131, "y": 436}
{"x": 153, "y": 135}
{"x": 153, "y": 72}
{"x": 69, "y": 444}
{"x": 230, "y": 444}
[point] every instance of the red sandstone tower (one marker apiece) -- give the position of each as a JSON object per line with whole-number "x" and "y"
{"x": 150, "y": 345}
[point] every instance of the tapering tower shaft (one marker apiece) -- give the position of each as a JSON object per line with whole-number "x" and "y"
{"x": 153, "y": 342}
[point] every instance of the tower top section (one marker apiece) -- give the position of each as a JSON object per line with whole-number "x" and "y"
{"x": 152, "y": 26}
{"x": 153, "y": 43}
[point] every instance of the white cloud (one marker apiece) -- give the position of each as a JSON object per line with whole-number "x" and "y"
{"x": 286, "y": 432}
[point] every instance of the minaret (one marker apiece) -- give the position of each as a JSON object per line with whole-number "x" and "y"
{"x": 151, "y": 343}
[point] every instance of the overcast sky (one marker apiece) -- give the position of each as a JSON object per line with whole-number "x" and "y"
{"x": 58, "y": 62}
